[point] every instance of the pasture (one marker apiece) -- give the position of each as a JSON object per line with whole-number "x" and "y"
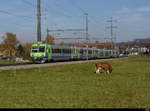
{"x": 77, "y": 86}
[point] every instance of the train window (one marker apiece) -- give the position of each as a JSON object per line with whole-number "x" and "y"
{"x": 96, "y": 51}
{"x": 34, "y": 50}
{"x": 67, "y": 51}
{"x": 41, "y": 49}
{"x": 101, "y": 53}
{"x": 56, "y": 50}
{"x": 90, "y": 51}
{"x": 81, "y": 51}
{"x": 106, "y": 53}
{"x": 85, "y": 52}
{"x": 38, "y": 49}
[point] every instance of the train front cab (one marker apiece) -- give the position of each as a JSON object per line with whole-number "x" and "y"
{"x": 40, "y": 52}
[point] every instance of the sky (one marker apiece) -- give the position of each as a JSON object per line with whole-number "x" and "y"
{"x": 131, "y": 18}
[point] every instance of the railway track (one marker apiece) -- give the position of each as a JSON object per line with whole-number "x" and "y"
{"x": 31, "y": 65}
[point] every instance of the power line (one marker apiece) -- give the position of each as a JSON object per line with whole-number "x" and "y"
{"x": 16, "y": 15}
{"x": 29, "y": 3}
{"x": 90, "y": 18}
{"x": 83, "y": 11}
{"x": 73, "y": 3}
{"x": 58, "y": 12}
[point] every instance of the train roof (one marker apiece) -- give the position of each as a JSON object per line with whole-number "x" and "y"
{"x": 59, "y": 46}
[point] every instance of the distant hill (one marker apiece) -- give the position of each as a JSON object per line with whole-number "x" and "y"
{"x": 147, "y": 40}
{"x": 136, "y": 42}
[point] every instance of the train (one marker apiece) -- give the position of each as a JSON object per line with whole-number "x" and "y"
{"x": 41, "y": 53}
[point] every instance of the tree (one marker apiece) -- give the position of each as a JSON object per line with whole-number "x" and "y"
{"x": 27, "y": 47}
{"x": 50, "y": 40}
{"x": 70, "y": 44}
{"x": 61, "y": 43}
{"x": 21, "y": 51}
{"x": 97, "y": 42}
{"x": 10, "y": 43}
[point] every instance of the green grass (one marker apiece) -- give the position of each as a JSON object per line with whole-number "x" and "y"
{"x": 77, "y": 86}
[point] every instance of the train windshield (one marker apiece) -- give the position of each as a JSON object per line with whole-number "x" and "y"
{"x": 38, "y": 49}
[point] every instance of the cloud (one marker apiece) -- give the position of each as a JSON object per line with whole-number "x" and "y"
{"x": 147, "y": 9}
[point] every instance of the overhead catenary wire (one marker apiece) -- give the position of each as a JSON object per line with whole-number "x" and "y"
{"x": 90, "y": 18}
{"x": 29, "y": 3}
{"x": 84, "y": 11}
{"x": 16, "y": 15}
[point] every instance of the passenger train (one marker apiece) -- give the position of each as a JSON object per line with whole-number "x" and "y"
{"x": 41, "y": 52}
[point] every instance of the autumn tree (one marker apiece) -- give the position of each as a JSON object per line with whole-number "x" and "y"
{"x": 97, "y": 42}
{"x": 27, "y": 47}
{"x": 70, "y": 44}
{"x": 10, "y": 43}
{"x": 50, "y": 40}
{"x": 62, "y": 43}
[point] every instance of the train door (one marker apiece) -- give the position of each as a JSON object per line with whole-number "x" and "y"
{"x": 78, "y": 51}
{"x": 72, "y": 52}
{"x": 49, "y": 52}
{"x": 46, "y": 51}
{"x": 104, "y": 53}
{"x": 75, "y": 52}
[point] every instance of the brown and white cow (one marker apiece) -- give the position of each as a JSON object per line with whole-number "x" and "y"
{"x": 103, "y": 65}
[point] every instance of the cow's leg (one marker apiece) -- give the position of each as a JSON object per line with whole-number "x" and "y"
{"x": 100, "y": 69}
{"x": 108, "y": 72}
{"x": 97, "y": 71}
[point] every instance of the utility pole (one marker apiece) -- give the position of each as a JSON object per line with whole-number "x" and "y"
{"x": 111, "y": 31}
{"x": 115, "y": 39}
{"x": 47, "y": 33}
{"x": 86, "y": 14}
{"x": 38, "y": 21}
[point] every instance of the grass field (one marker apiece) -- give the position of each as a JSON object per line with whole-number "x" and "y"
{"x": 77, "y": 86}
